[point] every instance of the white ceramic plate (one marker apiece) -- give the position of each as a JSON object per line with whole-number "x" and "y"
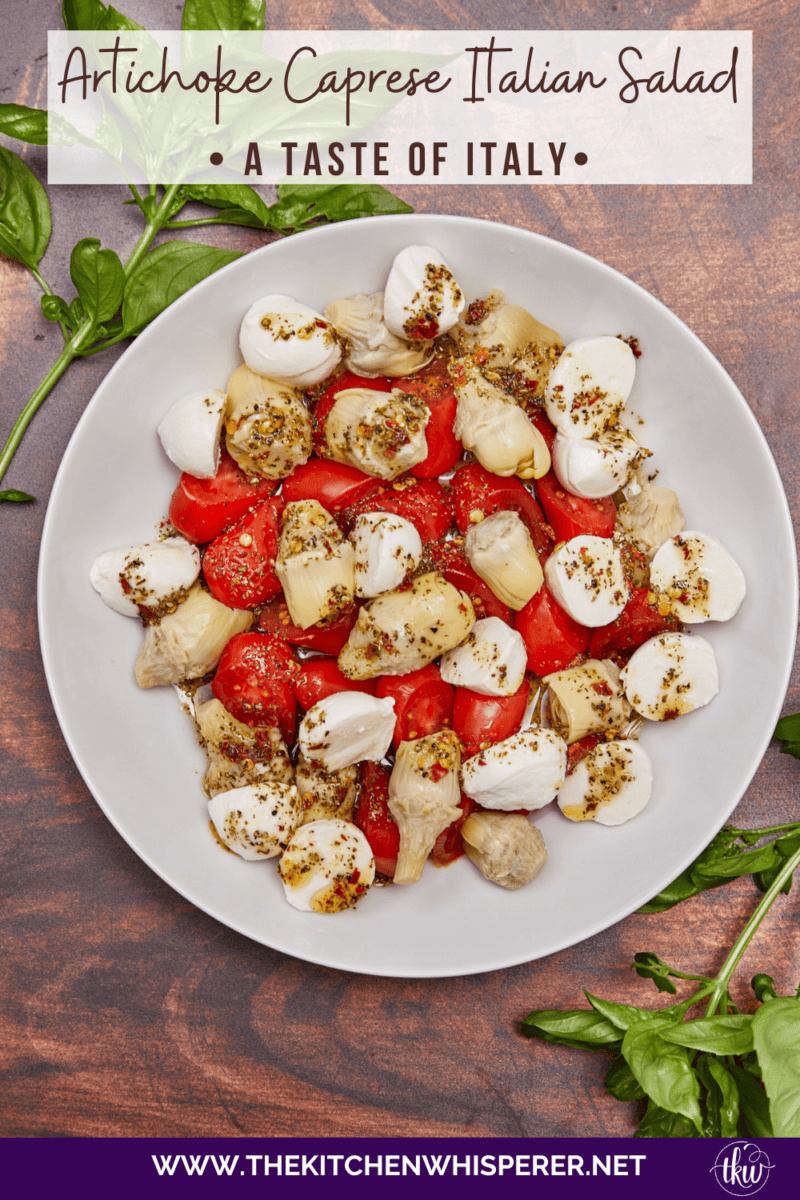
{"x": 136, "y": 750}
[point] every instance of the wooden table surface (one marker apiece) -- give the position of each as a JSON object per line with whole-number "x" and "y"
{"x": 124, "y": 1010}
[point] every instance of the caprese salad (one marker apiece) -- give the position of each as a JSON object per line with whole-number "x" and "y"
{"x": 416, "y": 584}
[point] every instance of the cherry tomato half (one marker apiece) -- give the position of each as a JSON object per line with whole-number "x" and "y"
{"x": 335, "y": 485}
{"x": 551, "y": 637}
{"x": 433, "y": 385}
{"x": 239, "y": 565}
{"x": 254, "y": 682}
{"x": 423, "y": 502}
{"x": 328, "y": 639}
{"x": 570, "y": 515}
{"x": 478, "y": 719}
{"x": 476, "y": 490}
{"x": 201, "y": 508}
{"x": 318, "y": 678}
{"x": 423, "y": 703}
{"x": 637, "y": 622}
{"x": 375, "y": 820}
{"x": 448, "y": 845}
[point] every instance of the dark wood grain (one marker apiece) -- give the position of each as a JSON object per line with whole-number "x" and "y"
{"x": 125, "y": 1011}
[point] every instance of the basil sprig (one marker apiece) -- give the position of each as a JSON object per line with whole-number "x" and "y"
{"x": 115, "y": 300}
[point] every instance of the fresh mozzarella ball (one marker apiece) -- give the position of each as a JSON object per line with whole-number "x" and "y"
{"x": 289, "y": 342}
{"x": 256, "y": 821}
{"x": 670, "y": 675}
{"x": 701, "y": 579}
{"x": 345, "y": 728}
{"x": 191, "y": 430}
{"x": 599, "y": 466}
{"x": 150, "y": 576}
{"x": 586, "y": 577}
{"x": 387, "y": 548}
{"x": 611, "y": 784}
{"x": 326, "y": 867}
{"x": 421, "y": 299}
{"x": 589, "y": 385}
{"x": 524, "y": 771}
{"x": 491, "y": 661}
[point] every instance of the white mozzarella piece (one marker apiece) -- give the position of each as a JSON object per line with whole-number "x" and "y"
{"x": 700, "y": 578}
{"x": 346, "y": 728}
{"x": 258, "y": 820}
{"x": 289, "y": 342}
{"x": 491, "y": 661}
{"x": 611, "y": 784}
{"x": 190, "y": 432}
{"x": 670, "y": 675}
{"x": 599, "y": 466}
{"x": 422, "y": 299}
{"x": 387, "y": 547}
{"x": 524, "y": 771}
{"x": 327, "y": 866}
{"x": 589, "y": 384}
{"x": 145, "y": 576}
{"x": 586, "y": 577}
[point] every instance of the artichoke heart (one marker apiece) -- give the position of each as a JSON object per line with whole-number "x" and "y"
{"x": 315, "y": 564}
{"x": 500, "y": 550}
{"x": 511, "y": 337}
{"x": 505, "y": 847}
{"x": 407, "y": 629}
{"x": 267, "y": 427}
{"x": 587, "y": 699}
{"x": 371, "y": 348}
{"x": 495, "y": 428}
{"x": 237, "y": 754}
{"x": 650, "y": 515}
{"x": 187, "y": 643}
{"x": 381, "y": 433}
{"x": 325, "y": 795}
{"x": 424, "y": 797}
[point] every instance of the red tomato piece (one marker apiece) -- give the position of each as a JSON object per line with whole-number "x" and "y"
{"x": 328, "y": 639}
{"x": 581, "y": 748}
{"x": 570, "y": 515}
{"x": 423, "y": 703}
{"x": 479, "y": 719}
{"x": 545, "y": 426}
{"x": 239, "y": 565}
{"x": 254, "y": 682}
{"x": 375, "y": 820}
{"x": 423, "y": 502}
{"x": 435, "y": 388}
{"x": 637, "y": 622}
{"x": 476, "y": 490}
{"x": 318, "y": 678}
{"x": 552, "y": 638}
{"x": 201, "y": 508}
{"x": 333, "y": 484}
{"x": 448, "y": 845}
{"x": 327, "y": 400}
{"x": 450, "y": 559}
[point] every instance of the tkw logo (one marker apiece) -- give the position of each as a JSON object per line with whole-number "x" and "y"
{"x": 742, "y": 1168}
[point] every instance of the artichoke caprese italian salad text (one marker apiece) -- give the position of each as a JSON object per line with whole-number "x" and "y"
{"x": 416, "y": 584}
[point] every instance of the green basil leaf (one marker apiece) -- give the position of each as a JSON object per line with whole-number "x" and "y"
{"x": 236, "y": 197}
{"x": 727, "y": 1103}
{"x": 710, "y": 1097}
{"x": 302, "y": 204}
{"x": 746, "y": 863}
{"x": 224, "y": 14}
{"x": 16, "y": 496}
{"x": 658, "y": 1122}
{"x": 791, "y": 748}
{"x": 24, "y": 211}
{"x": 754, "y": 1118}
{"x": 764, "y": 987}
{"x": 54, "y": 308}
{"x": 98, "y": 277}
{"x": 92, "y": 14}
{"x": 776, "y": 1036}
{"x": 621, "y": 1082}
{"x": 731, "y": 1034}
{"x": 788, "y": 728}
{"x": 578, "y": 1027}
{"x": 77, "y": 312}
{"x": 26, "y": 124}
{"x": 682, "y": 888}
{"x": 663, "y": 1070}
{"x": 163, "y": 275}
{"x": 623, "y": 1016}
{"x": 650, "y": 966}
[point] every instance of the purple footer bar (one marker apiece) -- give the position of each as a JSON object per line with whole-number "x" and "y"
{"x": 592, "y": 1168}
